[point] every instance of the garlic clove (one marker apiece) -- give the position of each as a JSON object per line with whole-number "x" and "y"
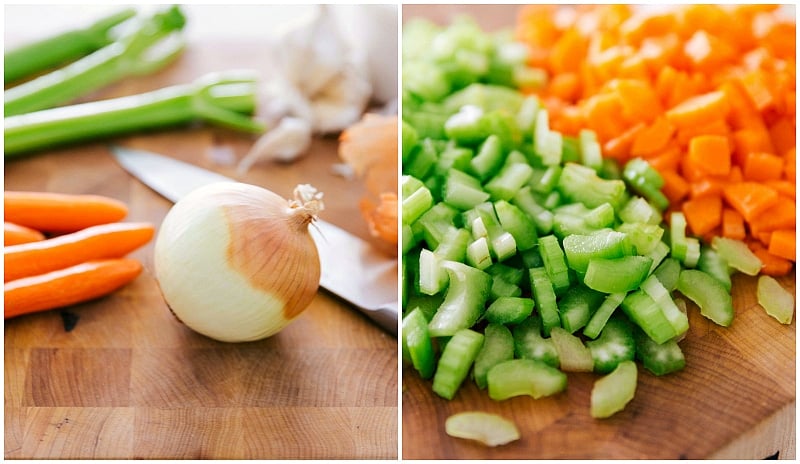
{"x": 286, "y": 142}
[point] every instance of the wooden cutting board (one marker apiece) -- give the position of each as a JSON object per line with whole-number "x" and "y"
{"x": 736, "y": 398}
{"x": 129, "y": 381}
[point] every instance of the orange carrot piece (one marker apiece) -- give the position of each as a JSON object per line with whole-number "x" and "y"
{"x": 703, "y": 214}
{"x": 639, "y": 100}
{"x": 60, "y": 212}
{"x": 65, "y": 287}
{"x": 771, "y": 265}
{"x": 790, "y": 167}
{"x": 675, "y": 187}
{"x": 14, "y": 234}
{"x": 750, "y": 140}
{"x": 783, "y": 243}
{"x": 706, "y": 52}
{"x": 603, "y": 113}
{"x": 571, "y": 44}
{"x": 566, "y": 86}
{"x": 759, "y": 88}
{"x": 619, "y": 147}
{"x": 653, "y": 138}
{"x": 708, "y": 185}
{"x": 714, "y": 127}
{"x": 668, "y": 159}
{"x": 105, "y": 241}
{"x": 781, "y": 215}
{"x": 699, "y": 109}
{"x": 783, "y": 135}
{"x": 784, "y": 187}
{"x": 762, "y": 167}
{"x": 711, "y": 154}
{"x": 733, "y": 224}
{"x": 750, "y": 198}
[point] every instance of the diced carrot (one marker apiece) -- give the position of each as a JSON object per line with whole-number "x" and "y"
{"x": 743, "y": 113}
{"x": 653, "y": 138}
{"x": 750, "y": 198}
{"x": 647, "y": 24}
{"x": 711, "y": 153}
{"x": 762, "y": 166}
{"x": 675, "y": 187}
{"x": 565, "y": 86}
{"x": 706, "y": 51}
{"x": 733, "y": 224}
{"x": 713, "y": 127}
{"x": 750, "y": 140}
{"x": 603, "y": 114}
{"x": 699, "y": 109}
{"x": 783, "y": 243}
{"x": 639, "y": 100}
{"x": 620, "y": 146}
{"x": 789, "y": 169}
{"x": 563, "y": 53}
{"x": 703, "y": 214}
{"x": 759, "y": 88}
{"x": 771, "y": 264}
{"x": 781, "y": 215}
{"x": 784, "y": 135}
{"x": 665, "y": 81}
{"x": 784, "y": 187}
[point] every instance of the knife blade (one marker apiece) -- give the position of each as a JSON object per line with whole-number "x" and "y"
{"x": 350, "y": 267}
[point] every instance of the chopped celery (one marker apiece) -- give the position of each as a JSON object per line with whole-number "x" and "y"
{"x": 488, "y": 159}
{"x": 453, "y": 246}
{"x": 590, "y": 149}
{"x": 498, "y": 346}
{"x": 737, "y": 255}
{"x": 545, "y": 180}
{"x": 509, "y": 310}
{"x": 659, "y": 253}
{"x": 668, "y": 272}
{"x": 684, "y": 249}
{"x": 503, "y": 288}
{"x": 526, "y": 116}
{"x": 519, "y": 377}
{"x": 416, "y": 202}
{"x": 463, "y": 304}
{"x": 418, "y": 343}
{"x": 432, "y": 275}
{"x": 409, "y": 137}
{"x": 508, "y": 181}
{"x": 435, "y": 224}
{"x": 605, "y": 243}
{"x": 713, "y": 264}
{"x": 554, "y": 263}
{"x": 582, "y": 184}
{"x": 455, "y": 362}
{"x": 775, "y": 300}
{"x": 646, "y": 181}
{"x": 645, "y": 237}
{"x": 638, "y": 210}
{"x": 659, "y": 358}
{"x": 613, "y": 392}
{"x": 547, "y": 143}
{"x": 616, "y": 275}
{"x": 462, "y": 191}
{"x": 576, "y": 306}
{"x": 647, "y": 314}
{"x": 518, "y": 224}
{"x": 529, "y": 343}
{"x": 709, "y": 294}
{"x": 602, "y": 314}
{"x": 541, "y": 217}
{"x": 614, "y": 345}
{"x": 653, "y": 287}
{"x": 478, "y": 254}
{"x": 422, "y": 158}
{"x": 488, "y": 429}
{"x": 573, "y": 355}
{"x": 545, "y": 298}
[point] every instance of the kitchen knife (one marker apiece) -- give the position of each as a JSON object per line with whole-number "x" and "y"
{"x": 350, "y": 267}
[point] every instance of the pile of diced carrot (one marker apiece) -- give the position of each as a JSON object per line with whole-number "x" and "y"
{"x": 705, "y": 93}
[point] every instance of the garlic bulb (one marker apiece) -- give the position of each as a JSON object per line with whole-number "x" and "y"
{"x": 236, "y": 262}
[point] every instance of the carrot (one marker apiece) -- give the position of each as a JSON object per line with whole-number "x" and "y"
{"x": 98, "y": 242}
{"x": 703, "y": 214}
{"x": 790, "y": 167}
{"x": 620, "y": 146}
{"x": 652, "y": 139}
{"x": 771, "y": 265}
{"x": 750, "y": 199}
{"x": 675, "y": 187}
{"x": 698, "y": 110}
{"x": 781, "y": 215}
{"x": 784, "y": 187}
{"x": 746, "y": 141}
{"x": 711, "y": 154}
{"x": 14, "y": 234}
{"x": 639, "y": 100}
{"x": 762, "y": 166}
{"x": 783, "y": 135}
{"x": 59, "y": 212}
{"x": 733, "y": 224}
{"x": 783, "y": 243}
{"x": 64, "y": 287}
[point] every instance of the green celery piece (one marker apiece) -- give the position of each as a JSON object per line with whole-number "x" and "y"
{"x": 409, "y": 138}
{"x": 132, "y": 54}
{"x": 709, "y": 294}
{"x": 462, "y": 191}
{"x": 526, "y": 115}
{"x": 646, "y": 181}
{"x": 467, "y": 126}
{"x": 617, "y": 275}
{"x": 417, "y": 342}
{"x": 638, "y": 210}
{"x": 415, "y": 203}
{"x": 455, "y": 362}
{"x": 541, "y": 217}
{"x": 737, "y": 254}
{"x": 410, "y": 184}
{"x": 488, "y": 159}
{"x": 653, "y": 287}
{"x": 614, "y": 345}
{"x": 573, "y": 355}
{"x": 433, "y": 278}
{"x": 605, "y": 243}
{"x": 544, "y": 180}
{"x": 570, "y": 150}
{"x": 512, "y": 274}
{"x": 644, "y": 237}
{"x": 659, "y": 253}
{"x": 498, "y": 346}
{"x": 646, "y": 313}
{"x": 582, "y": 184}
{"x": 220, "y": 98}
{"x": 545, "y": 298}
{"x": 428, "y": 123}
{"x": 409, "y": 239}
{"x": 576, "y": 307}
{"x": 422, "y": 159}
{"x": 487, "y": 97}
{"x": 529, "y": 343}
{"x": 509, "y": 310}
{"x": 452, "y": 157}
{"x": 546, "y": 143}
{"x": 668, "y": 272}
{"x": 679, "y": 242}
{"x": 659, "y": 358}
{"x": 502, "y": 243}
{"x": 611, "y": 393}
{"x": 776, "y": 300}
{"x": 591, "y": 155}
{"x": 566, "y": 224}
{"x": 602, "y": 315}
{"x": 554, "y": 263}
{"x": 434, "y": 225}
{"x": 518, "y": 224}
{"x": 425, "y": 80}
{"x": 428, "y": 304}
{"x": 56, "y": 50}
{"x": 464, "y": 301}
{"x": 453, "y": 246}
{"x": 508, "y": 181}
{"x": 503, "y": 288}
{"x": 478, "y": 254}
{"x": 601, "y": 217}
{"x": 715, "y": 265}
{"x": 519, "y": 377}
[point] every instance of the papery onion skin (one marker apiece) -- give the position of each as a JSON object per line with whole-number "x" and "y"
{"x": 235, "y": 262}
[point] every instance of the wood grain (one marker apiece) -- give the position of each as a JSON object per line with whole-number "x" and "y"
{"x": 735, "y": 399}
{"x": 130, "y": 382}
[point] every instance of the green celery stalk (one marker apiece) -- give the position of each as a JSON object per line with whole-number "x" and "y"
{"x": 454, "y": 364}
{"x": 225, "y": 99}
{"x": 659, "y": 358}
{"x": 554, "y": 263}
{"x": 518, "y": 377}
{"x": 737, "y": 255}
{"x": 573, "y": 355}
{"x": 498, "y": 346}
{"x": 776, "y": 300}
{"x": 615, "y": 344}
{"x": 464, "y": 301}
{"x": 417, "y": 343}
{"x": 509, "y": 310}
{"x": 617, "y": 275}
{"x": 613, "y": 392}
{"x": 605, "y": 243}
{"x": 577, "y": 305}
{"x": 545, "y": 298}
{"x": 647, "y": 314}
{"x": 142, "y": 51}
{"x": 709, "y": 294}
{"x": 601, "y": 316}
{"x": 529, "y": 343}
{"x": 56, "y": 50}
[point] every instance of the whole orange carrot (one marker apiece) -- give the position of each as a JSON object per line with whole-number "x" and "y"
{"x": 14, "y": 234}
{"x": 61, "y": 212}
{"x": 99, "y": 242}
{"x": 76, "y": 284}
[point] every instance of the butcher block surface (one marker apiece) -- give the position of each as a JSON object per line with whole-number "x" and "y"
{"x": 735, "y": 399}
{"x": 129, "y": 381}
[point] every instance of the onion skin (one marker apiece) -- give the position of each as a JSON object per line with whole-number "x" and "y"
{"x": 235, "y": 262}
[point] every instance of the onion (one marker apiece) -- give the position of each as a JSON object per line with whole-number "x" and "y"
{"x": 236, "y": 262}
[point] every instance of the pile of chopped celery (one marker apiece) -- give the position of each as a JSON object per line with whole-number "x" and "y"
{"x": 525, "y": 254}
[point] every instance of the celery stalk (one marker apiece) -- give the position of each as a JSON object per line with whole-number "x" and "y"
{"x": 223, "y": 99}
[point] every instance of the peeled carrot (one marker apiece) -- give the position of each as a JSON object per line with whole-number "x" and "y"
{"x": 711, "y": 154}
{"x": 699, "y": 110}
{"x": 14, "y": 234}
{"x": 64, "y": 287}
{"x": 762, "y": 166}
{"x": 703, "y": 214}
{"x": 783, "y": 243}
{"x": 98, "y": 242}
{"x": 770, "y": 264}
{"x": 733, "y": 224}
{"x": 60, "y": 212}
{"x": 750, "y": 198}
